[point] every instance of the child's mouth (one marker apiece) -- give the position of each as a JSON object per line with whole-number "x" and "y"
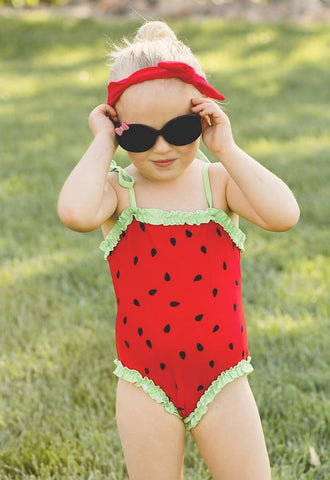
{"x": 164, "y": 163}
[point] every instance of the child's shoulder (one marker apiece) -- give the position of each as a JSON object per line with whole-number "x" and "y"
{"x": 218, "y": 174}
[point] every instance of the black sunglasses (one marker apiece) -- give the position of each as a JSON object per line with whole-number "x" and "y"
{"x": 136, "y": 137}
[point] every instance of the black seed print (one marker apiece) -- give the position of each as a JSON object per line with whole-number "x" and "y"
{"x": 180, "y": 409}
{"x": 140, "y": 332}
{"x": 167, "y": 277}
{"x": 118, "y": 274}
{"x": 215, "y": 292}
{"x": 224, "y": 266}
{"x": 201, "y": 387}
{"x": 198, "y": 278}
{"x": 147, "y": 370}
{"x": 124, "y": 320}
{"x": 211, "y": 363}
{"x": 219, "y": 232}
{"x": 118, "y": 300}
{"x": 152, "y": 292}
{"x": 242, "y": 328}
{"x": 126, "y": 343}
{"x": 174, "y": 304}
{"x": 200, "y": 347}
{"x": 149, "y": 344}
{"x": 143, "y": 227}
{"x": 235, "y": 307}
{"x": 183, "y": 354}
{"x": 189, "y": 233}
{"x": 203, "y": 249}
{"x": 136, "y": 302}
{"x": 199, "y": 317}
{"x": 135, "y": 261}
{"x": 236, "y": 283}
{"x": 173, "y": 241}
{"x": 153, "y": 252}
{"x": 123, "y": 235}
{"x": 243, "y": 354}
{"x": 231, "y": 346}
{"x": 162, "y": 366}
{"x": 167, "y": 328}
{"x": 176, "y": 387}
{"x": 215, "y": 328}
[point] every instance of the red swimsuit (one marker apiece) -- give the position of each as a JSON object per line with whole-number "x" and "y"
{"x": 180, "y": 327}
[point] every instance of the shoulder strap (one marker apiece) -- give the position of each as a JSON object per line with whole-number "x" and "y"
{"x": 207, "y": 184}
{"x": 201, "y": 155}
{"x": 126, "y": 181}
{"x": 206, "y": 178}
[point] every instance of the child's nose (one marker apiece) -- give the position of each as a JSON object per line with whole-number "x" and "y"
{"x": 161, "y": 145}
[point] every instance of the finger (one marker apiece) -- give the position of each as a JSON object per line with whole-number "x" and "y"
{"x": 206, "y": 122}
{"x": 198, "y": 100}
{"x": 113, "y": 113}
{"x": 106, "y": 110}
{"x": 206, "y": 109}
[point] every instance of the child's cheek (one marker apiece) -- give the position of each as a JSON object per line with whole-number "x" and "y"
{"x": 189, "y": 150}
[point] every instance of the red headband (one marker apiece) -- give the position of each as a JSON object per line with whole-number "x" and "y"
{"x": 163, "y": 70}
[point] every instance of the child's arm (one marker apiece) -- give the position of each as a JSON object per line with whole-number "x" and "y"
{"x": 252, "y": 191}
{"x": 87, "y": 198}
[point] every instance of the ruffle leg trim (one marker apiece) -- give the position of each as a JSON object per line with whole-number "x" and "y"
{"x": 155, "y": 392}
{"x": 244, "y": 367}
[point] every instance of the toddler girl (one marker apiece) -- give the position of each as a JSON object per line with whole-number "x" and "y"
{"x": 172, "y": 240}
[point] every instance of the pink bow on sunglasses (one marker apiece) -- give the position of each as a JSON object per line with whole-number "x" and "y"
{"x": 120, "y": 130}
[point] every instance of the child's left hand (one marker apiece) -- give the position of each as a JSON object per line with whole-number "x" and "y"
{"x": 216, "y": 128}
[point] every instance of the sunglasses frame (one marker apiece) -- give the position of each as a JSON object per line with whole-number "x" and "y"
{"x": 154, "y": 133}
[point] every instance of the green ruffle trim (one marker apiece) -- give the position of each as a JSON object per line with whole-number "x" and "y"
{"x": 244, "y": 367}
{"x": 155, "y": 392}
{"x": 163, "y": 217}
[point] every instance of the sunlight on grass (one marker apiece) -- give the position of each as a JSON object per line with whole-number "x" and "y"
{"x": 18, "y": 269}
{"x": 57, "y": 303}
{"x": 69, "y": 58}
{"x": 307, "y": 144}
{"x": 311, "y": 50}
{"x": 12, "y": 185}
{"x": 280, "y": 324}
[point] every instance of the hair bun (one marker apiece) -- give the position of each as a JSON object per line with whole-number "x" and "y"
{"x": 153, "y": 31}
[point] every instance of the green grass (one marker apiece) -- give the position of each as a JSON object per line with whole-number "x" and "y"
{"x": 57, "y": 309}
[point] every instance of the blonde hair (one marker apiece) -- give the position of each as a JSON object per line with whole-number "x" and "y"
{"x": 154, "y": 42}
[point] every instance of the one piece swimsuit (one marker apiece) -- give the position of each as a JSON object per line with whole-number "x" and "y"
{"x": 180, "y": 327}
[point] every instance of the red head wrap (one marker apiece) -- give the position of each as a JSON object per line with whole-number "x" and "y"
{"x": 163, "y": 70}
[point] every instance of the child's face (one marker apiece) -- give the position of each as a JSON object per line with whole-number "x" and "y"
{"x": 154, "y": 103}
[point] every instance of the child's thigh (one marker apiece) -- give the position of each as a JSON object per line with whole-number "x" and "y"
{"x": 152, "y": 439}
{"x": 230, "y": 436}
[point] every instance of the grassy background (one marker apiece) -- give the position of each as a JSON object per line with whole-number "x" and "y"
{"x": 57, "y": 309}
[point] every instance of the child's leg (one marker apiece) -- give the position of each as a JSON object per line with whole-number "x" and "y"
{"x": 152, "y": 439}
{"x": 230, "y": 436}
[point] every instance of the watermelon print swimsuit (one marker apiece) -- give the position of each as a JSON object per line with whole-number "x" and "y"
{"x": 180, "y": 327}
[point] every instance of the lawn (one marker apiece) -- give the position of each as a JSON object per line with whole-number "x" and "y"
{"x": 57, "y": 309}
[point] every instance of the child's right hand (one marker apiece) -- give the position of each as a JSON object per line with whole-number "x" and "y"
{"x": 99, "y": 120}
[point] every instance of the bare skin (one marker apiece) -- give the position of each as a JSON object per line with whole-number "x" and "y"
{"x": 153, "y": 440}
{"x": 229, "y": 436}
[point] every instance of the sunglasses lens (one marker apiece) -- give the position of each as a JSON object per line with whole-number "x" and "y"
{"x": 139, "y": 138}
{"x": 179, "y": 131}
{"x": 183, "y": 130}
